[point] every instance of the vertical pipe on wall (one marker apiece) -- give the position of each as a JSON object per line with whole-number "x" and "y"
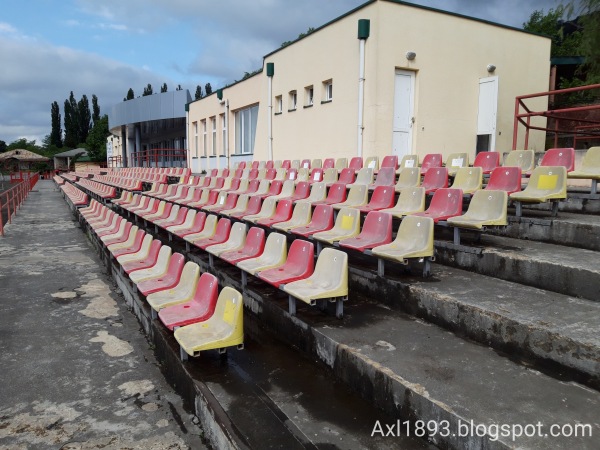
{"x": 364, "y": 29}
{"x": 270, "y": 73}
{"x": 227, "y": 132}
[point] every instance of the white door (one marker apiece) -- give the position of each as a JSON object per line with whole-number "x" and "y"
{"x": 486, "y": 116}
{"x": 403, "y": 113}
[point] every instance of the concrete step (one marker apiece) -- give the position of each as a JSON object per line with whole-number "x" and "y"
{"x": 577, "y": 201}
{"x": 566, "y": 270}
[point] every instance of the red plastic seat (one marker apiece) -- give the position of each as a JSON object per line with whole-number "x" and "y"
{"x": 445, "y": 203}
{"x": 488, "y": 161}
{"x": 134, "y": 247}
{"x": 252, "y": 187}
{"x": 291, "y": 174}
{"x": 559, "y": 157}
{"x": 435, "y": 178}
{"x": 377, "y": 230}
{"x": 225, "y": 172}
{"x": 218, "y": 184}
{"x": 382, "y": 198}
{"x": 347, "y": 176}
{"x": 431, "y": 160}
{"x": 166, "y": 212}
{"x": 167, "y": 280}
{"x": 152, "y": 210}
{"x": 274, "y": 189}
{"x": 270, "y": 174}
{"x": 300, "y": 264}
{"x": 253, "y": 247}
{"x": 305, "y": 164}
{"x": 302, "y": 191}
{"x": 286, "y": 164}
{"x": 200, "y": 308}
{"x": 283, "y": 213}
{"x": 112, "y": 228}
{"x": 235, "y": 184}
{"x": 196, "y": 194}
{"x": 171, "y": 188}
{"x": 211, "y": 200}
{"x": 177, "y": 220}
{"x": 196, "y": 227}
{"x": 389, "y": 161}
{"x": 241, "y": 165}
{"x": 220, "y": 236}
{"x": 385, "y": 177}
{"x": 316, "y": 175}
{"x": 253, "y": 174}
{"x": 356, "y": 163}
{"x": 270, "y": 164}
{"x": 229, "y": 203}
{"x": 108, "y": 240}
{"x": 214, "y": 172}
{"x": 255, "y": 165}
{"x": 148, "y": 261}
{"x": 322, "y": 220}
{"x": 329, "y": 163}
{"x": 253, "y": 207}
{"x": 336, "y": 194}
{"x": 238, "y": 173}
{"x": 505, "y": 179}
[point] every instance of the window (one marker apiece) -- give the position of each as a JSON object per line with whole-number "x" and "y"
{"x": 278, "y": 104}
{"x": 204, "y": 139}
{"x": 308, "y": 96}
{"x": 327, "y": 91}
{"x": 223, "y": 133}
{"x": 293, "y": 101}
{"x": 214, "y": 136}
{"x": 195, "y": 126}
{"x": 245, "y": 129}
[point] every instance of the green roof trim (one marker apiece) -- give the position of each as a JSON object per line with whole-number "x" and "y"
{"x": 567, "y": 60}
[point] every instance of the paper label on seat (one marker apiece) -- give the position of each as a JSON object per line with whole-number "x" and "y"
{"x": 458, "y": 162}
{"x": 371, "y": 165}
{"x": 293, "y": 176}
{"x": 347, "y": 222}
{"x": 410, "y": 164}
{"x": 547, "y": 181}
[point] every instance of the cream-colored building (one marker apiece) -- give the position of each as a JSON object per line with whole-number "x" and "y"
{"x": 386, "y": 78}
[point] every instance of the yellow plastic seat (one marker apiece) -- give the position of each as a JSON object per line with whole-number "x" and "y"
{"x": 347, "y": 225}
{"x": 487, "y": 208}
{"x": 456, "y": 161}
{"x": 274, "y": 255}
{"x": 183, "y": 291}
{"x": 413, "y": 240}
{"x": 372, "y": 162}
{"x": 225, "y": 328}
{"x": 468, "y": 179}
{"x": 187, "y": 223}
{"x": 330, "y": 176}
{"x": 409, "y": 177}
{"x": 267, "y": 210}
{"x": 287, "y": 190}
{"x": 547, "y": 183}
{"x": 318, "y": 192}
{"x": 209, "y": 230}
{"x": 158, "y": 269}
{"x": 590, "y": 168}
{"x": 408, "y": 162}
{"x": 341, "y": 163}
{"x": 141, "y": 254}
{"x": 316, "y": 163}
{"x": 240, "y": 206}
{"x": 235, "y": 241}
{"x": 358, "y": 195}
{"x": 525, "y": 159}
{"x": 364, "y": 176}
{"x": 300, "y": 217}
{"x": 410, "y": 201}
{"x": 328, "y": 281}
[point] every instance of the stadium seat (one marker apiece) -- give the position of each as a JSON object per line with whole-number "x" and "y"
{"x": 116, "y": 224}
{"x": 291, "y": 174}
{"x": 329, "y": 281}
{"x": 270, "y": 174}
{"x": 283, "y": 212}
{"x": 146, "y": 257}
{"x": 468, "y": 179}
{"x": 126, "y": 197}
{"x": 376, "y": 230}
{"x": 316, "y": 163}
{"x": 435, "y": 178}
{"x": 385, "y": 177}
{"x": 301, "y": 192}
{"x": 330, "y": 176}
{"x": 322, "y": 220}
{"x": 487, "y": 208}
{"x": 195, "y": 226}
{"x": 318, "y": 192}
{"x": 267, "y": 210}
{"x": 177, "y": 217}
{"x": 372, "y": 162}
{"x": 303, "y": 175}
{"x": 356, "y": 163}
{"x": 225, "y": 201}
{"x": 430, "y": 161}
{"x": 488, "y": 161}
{"x": 131, "y": 245}
{"x": 196, "y": 195}
{"x": 389, "y": 161}
{"x": 221, "y": 234}
{"x": 162, "y": 213}
{"x": 262, "y": 189}
{"x": 287, "y": 190}
{"x": 274, "y": 190}
{"x": 590, "y": 168}
{"x": 382, "y": 198}
{"x": 253, "y": 206}
{"x": 505, "y": 179}
{"x": 445, "y": 203}
{"x": 254, "y": 165}
{"x": 335, "y": 194}
{"x": 364, "y": 176}
{"x": 273, "y": 255}
{"x": 546, "y": 184}
{"x": 225, "y": 328}
{"x": 525, "y": 159}
{"x": 281, "y": 174}
{"x": 210, "y": 200}
{"x": 253, "y": 247}
{"x": 559, "y": 157}
{"x": 241, "y": 165}
{"x": 235, "y": 241}
{"x": 286, "y": 164}
{"x": 341, "y": 163}
{"x": 240, "y": 206}
{"x": 164, "y": 262}
{"x": 243, "y": 187}
{"x": 347, "y": 225}
{"x": 198, "y": 309}
{"x": 298, "y": 265}
{"x": 347, "y": 176}
{"x": 413, "y": 240}
{"x": 358, "y": 195}
{"x": 408, "y": 162}
{"x": 300, "y": 217}
{"x": 181, "y": 292}
{"x": 456, "y": 161}
{"x": 305, "y": 164}
{"x": 410, "y": 201}
{"x": 208, "y": 229}
{"x": 329, "y": 163}
{"x": 408, "y": 178}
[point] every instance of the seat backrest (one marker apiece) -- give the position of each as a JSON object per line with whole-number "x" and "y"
{"x": 302, "y": 213}
{"x": 341, "y": 163}
{"x": 331, "y": 270}
{"x": 468, "y": 178}
{"x": 231, "y": 201}
{"x": 286, "y": 164}
{"x": 386, "y": 176}
{"x": 221, "y": 199}
{"x": 275, "y": 251}
{"x": 337, "y": 193}
{"x": 207, "y": 291}
{"x": 189, "y": 278}
{"x": 348, "y": 219}
{"x": 316, "y": 163}
{"x": 548, "y": 179}
{"x": 237, "y": 235}
{"x": 505, "y": 179}
{"x": 409, "y": 162}
{"x": 255, "y": 241}
{"x": 417, "y": 232}
{"x": 270, "y": 164}
{"x": 356, "y": 163}
{"x": 383, "y": 196}
{"x": 276, "y": 186}
{"x": 358, "y": 194}
{"x": 301, "y": 257}
{"x": 317, "y": 192}
{"x": 446, "y": 201}
{"x": 436, "y": 178}
{"x": 487, "y": 160}
{"x": 288, "y": 188}
{"x": 328, "y": 163}
{"x": 347, "y": 176}
{"x": 252, "y": 186}
{"x": 212, "y": 198}
{"x": 303, "y": 174}
{"x": 364, "y": 176}
{"x": 305, "y": 164}
{"x": 262, "y": 174}
{"x": 241, "y": 165}
{"x": 377, "y": 225}
{"x": 330, "y": 175}
{"x": 409, "y": 177}
{"x": 254, "y": 206}
{"x": 559, "y": 157}
{"x": 322, "y": 216}
{"x": 238, "y": 173}
{"x": 254, "y": 165}
{"x": 591, "y": 159}
{"x": 241, "y": 203}
{"x": 488, "y": 205}
{"x": 162, "y": 261}
{"x": 214, "y": 173}
{"x": 281, "y": 174}
{"x": 389, "y": 161}
{"x": 316, "y": 174}
{"x": 268, "y": 207}
{"x": 411, "y": 199}
{"x": 176, "y": 264}
{"x": 372, "y": 162}
{"x": 210, "y": 225}
{"x": 295, "y": 164}
{"x": 223, "y": 229}
{"x": 431, "y": 160}
{"x": 525, "y": 159}
{"x": 235, "y": 184}
{"x": 253, "y": 174}
{"x": 292, "y": 174}
{"x": 284, "y": 209}
{"x": 230, "y": 310}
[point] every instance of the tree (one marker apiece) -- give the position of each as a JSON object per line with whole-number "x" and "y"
{"x": 2, "y": 146}
{"x": 130, "y": 95}
{"x": 84, "y": 119}
{"x": 95, "y": 109}
{"x": 198, "y": 94}
{"x": 179, "y": 88}
{"x": 55, "y": 119}
{"x": 208, "y": 89}
{"x": 96, "y": 140}
{"x": 71, "y": 122}
{"x": 566, "y": 39}
{"x": 300, "y": 36}
{"x": 163, "y": 88}
{"x": 147, "y": 90}
{"x": 589, "y": 20}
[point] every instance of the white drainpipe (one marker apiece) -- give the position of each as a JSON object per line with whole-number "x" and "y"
{"x": 361, "y": 94}
{"x": 270, "y": 121}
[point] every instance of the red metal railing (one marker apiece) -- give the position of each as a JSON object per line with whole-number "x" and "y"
{"x": 159, "y": 157}
{"x": 11, "y": 199}
{"x": 565, "y": 121}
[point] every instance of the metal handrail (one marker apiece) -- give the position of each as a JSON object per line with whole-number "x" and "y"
{"x": 11, "y": 199}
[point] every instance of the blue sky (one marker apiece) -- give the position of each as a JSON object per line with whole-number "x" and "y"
{"x": 104, "y": 47}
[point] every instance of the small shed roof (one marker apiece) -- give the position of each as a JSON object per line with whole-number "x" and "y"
{"x": 23, "y": 155}
{"x": 72, "y": 153}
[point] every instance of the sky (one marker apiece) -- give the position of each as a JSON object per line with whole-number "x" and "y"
{"x": 49, "y": 48}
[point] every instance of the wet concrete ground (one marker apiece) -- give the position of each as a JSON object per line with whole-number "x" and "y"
{"x": 77, "y": 373}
